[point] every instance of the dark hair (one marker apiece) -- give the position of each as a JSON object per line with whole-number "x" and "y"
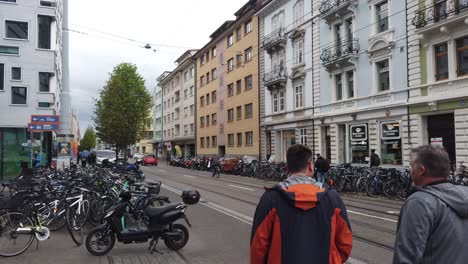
{"x": 298, "y": 157}
{"x": 372, "y": 150}
{"x": 434, "y": 158}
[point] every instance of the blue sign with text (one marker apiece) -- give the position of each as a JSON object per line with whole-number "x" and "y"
{"x": 45, "y": 119}
{"x": 43, "y": 127}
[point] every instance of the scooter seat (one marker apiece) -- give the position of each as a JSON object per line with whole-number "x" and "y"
{"x": 158, "y": 211}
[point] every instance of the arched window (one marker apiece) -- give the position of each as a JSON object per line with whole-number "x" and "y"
{"x": 299, "y": 12}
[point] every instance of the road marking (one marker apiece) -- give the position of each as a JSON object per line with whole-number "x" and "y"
{"x": 240, "y": 187}
{"x": 393, "y": 212}
{"x": 190, "y": 176}
{"x": 162, "y": 170}
{"x": 373, "y": 216}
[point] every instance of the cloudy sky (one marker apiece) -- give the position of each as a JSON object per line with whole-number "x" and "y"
{"x": 176, "y": 25}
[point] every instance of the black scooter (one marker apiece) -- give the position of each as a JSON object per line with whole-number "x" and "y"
{"x": 161, "y": 225}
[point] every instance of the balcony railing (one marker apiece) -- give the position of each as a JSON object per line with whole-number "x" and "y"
{"x": 278, "y": 75}
{"x": 331, "y": 9}
{"x": 277, "y": 39}
{"x": 439, "y": 11}
{"x": 340, "y": 51}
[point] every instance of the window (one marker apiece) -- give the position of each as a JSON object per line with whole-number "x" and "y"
{"x": 238, "y": 60}
{"x": 214, "y": 74}
{"x": 239, "y": 86}
{"x": 282, "y": 100}
{"x": 202, "y": 60}
{"x": 303, "y": 136}
{"x": 249, "y": 138}
{"x": 230, "y": 40}
{"x": 441, "y": 62}
{"x": 214, "y": 141}
{"x": 44, "y": 81}
{"x": 214, "y": 120}
{"x": 299, "y": 52}
{"x": 238, "y": 34}
{"x": 390, "y": 144}
{"x": 19, "y": 95}
{"x": 230, "y": 64}
{"x": 10, "y": 1}
{"x": 231, "y": 139}
{"x": 207, "y": 121}
{"x": 384, "y": 75}
{"x": 248, "y": 54}
{"x": 248, "y": 27}
{"x": 239, "y": 112}
{"x": 45, "y": 31}
{"x": 2, "y": 76}
{"x": 230, "y": 115}
{"x": 462, "y": 56}
{"x": 192, "y": 72}
{"x": 338, "y": 87}
{"x": 202, "y": 101}
{"x": 382, "y": 17}
{"x": 185, "y": 129}
{"x": 239, "y": 139}
{"x": 44, "y": 105}
{"x": 202, "y": 121}
{"x": 202, "y": 80}
{"x": 16, "y": 73}
{"x": 191, "y": 128}
{"x": 213, "y": 97}
{"x": 248, "y": 111}
{"x": 207, "y": 99}
{"x": 275, "y": 102}
{"x": 230, "y": 89}
{"x": 207, "y": 55}
{"x": 191, "y": 90}
{"x": 48, "y": 3}
{"x": 248, "y": 82}
{"x": 299, "y": 96}
{"x": 16, "y": 29}
{"x": 298, "y": 13}
{"x": 9, "y": 50}
{"x": 207, "y": 77}
{"x": 278, "y": 101}
{"x": 185, "y": 94}
{"x": 213, "y": 52}
{"x": 185, "y": 76}
{"x": 350, "y": 79}
{"x": 277, "y": 20}
{"x": 191, "y": 110}
{"x": 202, "y": 142}
{"x": 186, "y": 111}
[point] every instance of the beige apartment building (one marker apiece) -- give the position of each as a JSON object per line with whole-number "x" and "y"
{"x": 227, "y": 88}
{"x": 178, "y": 108}
{"x": 145, "y": 145}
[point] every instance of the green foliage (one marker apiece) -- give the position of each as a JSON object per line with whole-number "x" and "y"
{"x": 89, "y": 140}
{"x": 123, "y": 107}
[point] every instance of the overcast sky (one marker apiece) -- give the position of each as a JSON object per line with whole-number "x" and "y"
{"x": 182, "y": 23}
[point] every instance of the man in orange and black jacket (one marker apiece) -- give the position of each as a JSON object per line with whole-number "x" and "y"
{"x": 296, "y": 221}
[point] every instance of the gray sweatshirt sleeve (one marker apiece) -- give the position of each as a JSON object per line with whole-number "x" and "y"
{"x": 414, "y": 225}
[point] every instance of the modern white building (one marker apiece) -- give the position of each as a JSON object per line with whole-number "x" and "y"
{"x": 286, "y": 93}
{"x": 30, "y": 74}
{"x": 158, "y": 116}
{"x": 178, "y": 107}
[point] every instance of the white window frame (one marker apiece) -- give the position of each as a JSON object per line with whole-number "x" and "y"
{"x": 299, "y": 52}
{"x": 299, "y": 102}
{"x": 230, "y": 64}
{"x": 11, "y": 74}
{"x": 303, "y": 136}
{"x": 298, "y": 12}
{"x": 335, "y": 87}
{"x": 11, "y": 46}
{"x": 347, "y": 83}
{"x": 4, "y": 75}
{"x": 282, "y": 100}
{"x": 247, "y": 141}
{"x": 377, "y": 76}
{"x": 230, "y": 40}
{"x": 52, "y": 78}
{"x": 15, "y": 20}
{"x": 275, "y": 102}
{"x": 248, "y": 27}
{"x": 27, "y": 95}
{"x": 248, "y": 54}
{"x": 53, "y": 34}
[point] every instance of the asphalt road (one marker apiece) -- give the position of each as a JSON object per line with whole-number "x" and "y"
{"x": 222, "y": 221}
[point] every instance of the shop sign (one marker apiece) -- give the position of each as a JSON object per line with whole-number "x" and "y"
{"x": 359, "y": 146}
{"x": 358, "y": 132}
{"x": 390, "y": 130}
{"x": 437, "y": 141}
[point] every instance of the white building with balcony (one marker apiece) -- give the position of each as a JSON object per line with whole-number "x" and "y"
{"x": 178, "y": 107}
{"x": 286, "y": 93}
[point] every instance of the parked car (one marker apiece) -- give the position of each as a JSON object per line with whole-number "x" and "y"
{"x": 138, "y": 157}
{"x": 105, "y": 155}
{"x": 150, "y": 160}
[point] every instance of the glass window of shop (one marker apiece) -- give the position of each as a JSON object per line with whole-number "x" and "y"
{"x": 359, "y": 143}
{"x": 12, "y": 151}
{"x": 390, "y": 143}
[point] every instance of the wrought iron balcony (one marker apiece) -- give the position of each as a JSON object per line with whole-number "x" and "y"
{"x": 340, "y": 53}
{"x": 331, "y": 9}
{"x": 439, "y": 12}
{"x": 276, "y": 77}
{"x": 276, "y": 40}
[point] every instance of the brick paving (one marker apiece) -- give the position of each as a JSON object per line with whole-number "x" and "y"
{"x": 168, "y": 257}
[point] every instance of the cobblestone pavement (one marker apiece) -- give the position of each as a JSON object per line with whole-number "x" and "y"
{"x": 168, "y": 257}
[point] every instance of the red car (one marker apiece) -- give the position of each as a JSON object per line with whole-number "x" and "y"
{"x": 150, "y": 160}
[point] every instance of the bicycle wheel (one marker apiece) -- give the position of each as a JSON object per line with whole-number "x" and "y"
{"x": 13, "y": 243}
{"x": 74, "y": 226}
{"x": 371, "y": 188}
{"x": 390, "y": 189}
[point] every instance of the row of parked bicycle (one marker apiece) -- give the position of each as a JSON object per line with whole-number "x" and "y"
{"x": 114, "y": 200}
{"x": 390, "y": 182}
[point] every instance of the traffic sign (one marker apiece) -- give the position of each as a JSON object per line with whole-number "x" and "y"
{"x": 42, "y": 127}
{"x": 40, "y": 119}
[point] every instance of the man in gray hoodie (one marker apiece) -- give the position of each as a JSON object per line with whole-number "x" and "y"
{"x": 433, "y": 223}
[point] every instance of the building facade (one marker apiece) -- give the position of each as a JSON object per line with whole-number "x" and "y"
{"x": 178, "y": 108}
{"x": 438, "y": 75}
{"x": 286, "y": 90}
{"x": 227, "y": 88}
{"x": 30, "y": 76}
{"x": 158, "y": 117}
{"x": 362, "y": 80}
{"x": 146, "y": 144}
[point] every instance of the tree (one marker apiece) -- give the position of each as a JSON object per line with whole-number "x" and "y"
{"x": 89, "y": 139}
{"x": 123, "y": 107}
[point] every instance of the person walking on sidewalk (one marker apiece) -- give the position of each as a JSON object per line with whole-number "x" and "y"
{"x": 322, "y": 166}
{"x": 433, "y": 222}
{"x": 374, "y": 159}
{"x": 215, "y": 170}
{"x": 298, "y": 222}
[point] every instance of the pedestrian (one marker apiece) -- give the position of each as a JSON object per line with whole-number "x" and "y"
{"x": 84, "y": 157}
{"x": 34, "y": 159}
{"x": 214, "y": 164}
{"x": 322, "y": 166}
{"x": 298, "y": 222}
{"x": 374, "y": 159}
{"x": 433, "y": 222}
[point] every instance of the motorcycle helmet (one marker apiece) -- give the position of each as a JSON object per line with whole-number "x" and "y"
{"x": 125, "y": 196}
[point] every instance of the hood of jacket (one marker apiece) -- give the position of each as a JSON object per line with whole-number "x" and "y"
{"x": 300, "y": 191}
{"x": 455, "y": 196}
